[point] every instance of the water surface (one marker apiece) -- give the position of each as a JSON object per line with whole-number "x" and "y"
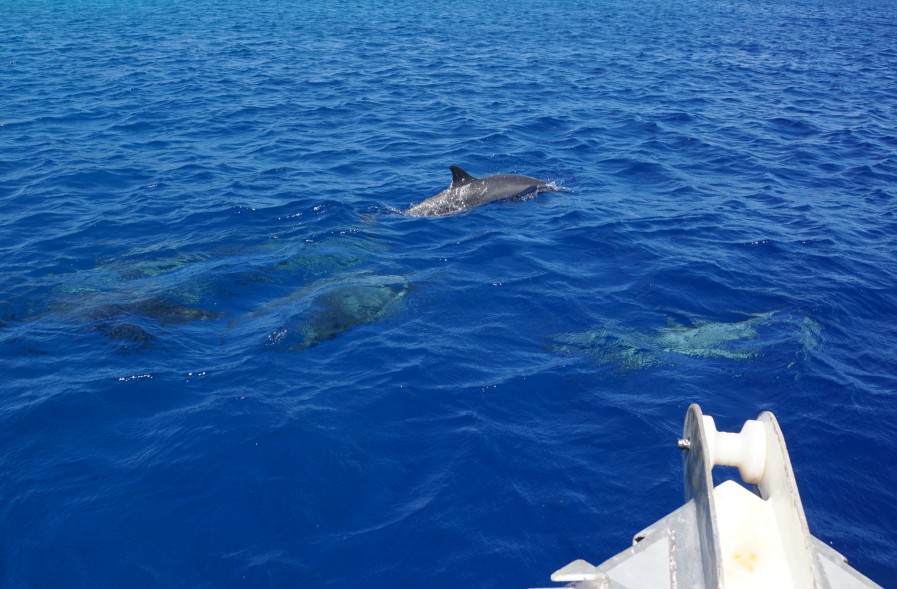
{"x": 227, "y": 361}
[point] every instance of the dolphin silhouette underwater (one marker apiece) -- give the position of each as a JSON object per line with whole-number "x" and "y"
{"x": 319, "y": 312}
{"x": 760, "y": 334}
{"x": 346, "y": 306}
{"x": 467, "y": 192}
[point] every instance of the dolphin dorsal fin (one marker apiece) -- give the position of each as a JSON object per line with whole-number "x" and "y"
{"x": 460, "y": 177}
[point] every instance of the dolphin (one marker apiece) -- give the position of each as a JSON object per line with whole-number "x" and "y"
{"x": 467, "y": 192}
{"x": 344, "y": 307}
{"x": 758, "y": 335}
{"x": 338, "y": 306}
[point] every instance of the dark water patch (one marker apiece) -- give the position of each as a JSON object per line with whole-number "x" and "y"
{"x": 127, "y": 337}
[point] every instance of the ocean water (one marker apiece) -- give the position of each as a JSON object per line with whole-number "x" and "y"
{"x": 227, "y": 360}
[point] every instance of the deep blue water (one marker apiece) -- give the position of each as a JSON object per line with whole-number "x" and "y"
{"x": 227, "y": 361}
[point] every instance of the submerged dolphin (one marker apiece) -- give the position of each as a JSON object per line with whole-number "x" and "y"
{"x": 789, "y": 333}
{"x": 322, "y": 311}
{"x": 346, "y": 306}
{"x": 467, "y": 192}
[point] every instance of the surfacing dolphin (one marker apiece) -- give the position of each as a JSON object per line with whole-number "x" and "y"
{"x": 467, "y": 192}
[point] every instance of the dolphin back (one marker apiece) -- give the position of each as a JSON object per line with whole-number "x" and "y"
{"x": 467, "y": 191}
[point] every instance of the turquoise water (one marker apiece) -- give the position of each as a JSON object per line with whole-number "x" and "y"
{"x": 228, "y": 360}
